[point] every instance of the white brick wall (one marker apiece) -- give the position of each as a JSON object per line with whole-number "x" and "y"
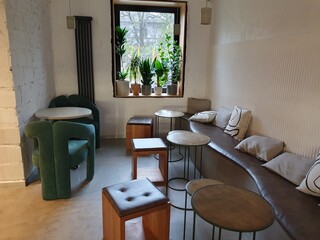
{"x": 26, "y": 79}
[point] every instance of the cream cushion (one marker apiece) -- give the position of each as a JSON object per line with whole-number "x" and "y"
{"x": 223, "y": 117}
{"x": 264, "y": 148}
{"x": 204, "y": 117}
{"x": 238, "y": 123}
{"x": 290, "y": 166}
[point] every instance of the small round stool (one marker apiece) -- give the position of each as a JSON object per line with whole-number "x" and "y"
{"x": 133, "y": 199}
{"x": 192, "y": 187}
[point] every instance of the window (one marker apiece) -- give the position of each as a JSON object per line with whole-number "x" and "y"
{"x": 148, "y": 39}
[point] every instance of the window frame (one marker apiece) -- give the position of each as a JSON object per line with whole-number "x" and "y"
{"x": 179, "y": 8}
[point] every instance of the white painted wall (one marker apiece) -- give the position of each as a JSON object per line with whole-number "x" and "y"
{"x": 26, "y": 49}
{"x": 115, "y": 112}
{"x": 266, "y": 57}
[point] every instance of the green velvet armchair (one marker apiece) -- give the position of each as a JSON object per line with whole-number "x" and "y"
{"x": 59, "y": 147}
{"x": 75, "y": 100}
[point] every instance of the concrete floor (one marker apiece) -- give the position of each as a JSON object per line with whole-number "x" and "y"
{"x": 24, "y": 215}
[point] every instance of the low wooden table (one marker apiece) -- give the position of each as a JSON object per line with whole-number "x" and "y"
{"x": 150, "y": 146}
{"x": 233, "y": 208}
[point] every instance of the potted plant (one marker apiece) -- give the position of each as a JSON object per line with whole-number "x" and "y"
{"x": 122, "y": 85}
{"x": 174, "y": 62}
{"x": 134, "y": 71}
{"x": 158, "y": 69}
{"x": 163, "y": 52}
{"x": 146, "y": 73}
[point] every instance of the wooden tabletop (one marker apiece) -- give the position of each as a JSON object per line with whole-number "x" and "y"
{"x": 61, "y": 113}
{"x": 232, "y": 208}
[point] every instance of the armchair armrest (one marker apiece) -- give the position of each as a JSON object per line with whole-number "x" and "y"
{"x": 62, "y": 132}
{"x": 43, "y": 156}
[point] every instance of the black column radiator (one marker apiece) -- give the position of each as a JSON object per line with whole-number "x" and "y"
{"x": 84, "y": 57}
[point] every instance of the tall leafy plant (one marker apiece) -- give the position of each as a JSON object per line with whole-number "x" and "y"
{"x": 134, "y": 66}
{"x": 120, "y": 48}
{"x": 175, "y": 63}
{"x": 170, "y": 55}
{"x": 163, "y": 52}
{"x": 173, "y": 59}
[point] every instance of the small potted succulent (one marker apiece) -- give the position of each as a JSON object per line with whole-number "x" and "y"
{"x": 146, "y": 72}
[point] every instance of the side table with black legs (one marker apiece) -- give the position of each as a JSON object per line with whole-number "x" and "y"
{"x": 233, "y": 208}
{"x": 187, "y": 139}
{"x": 168, "y": 114}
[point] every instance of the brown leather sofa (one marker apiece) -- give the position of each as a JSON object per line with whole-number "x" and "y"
{"x": 297, "y": 214}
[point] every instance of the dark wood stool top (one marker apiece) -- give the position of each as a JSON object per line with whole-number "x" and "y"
{"x": 140, "y": 121}
{"x": 232, "y": 208}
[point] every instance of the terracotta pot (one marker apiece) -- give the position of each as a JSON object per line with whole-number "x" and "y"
{"x": 135, "y": 88}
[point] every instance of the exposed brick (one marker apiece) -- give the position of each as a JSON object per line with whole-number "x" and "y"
{"x": 9, "y": 136}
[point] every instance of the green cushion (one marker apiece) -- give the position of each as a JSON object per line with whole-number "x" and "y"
{"x": 78, "y": 151}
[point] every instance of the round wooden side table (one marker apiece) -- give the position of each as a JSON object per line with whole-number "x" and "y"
{"x": 171, "y": 114}
{"x": 192, "y": 187}
{"x": 233, "y": 208}
{"x": 187, "y": 139}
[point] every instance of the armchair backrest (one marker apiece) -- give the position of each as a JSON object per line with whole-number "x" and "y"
{"x": 79, "y": 101}
{"x": 59, "y": 101}
{"x": 41, "y": 132}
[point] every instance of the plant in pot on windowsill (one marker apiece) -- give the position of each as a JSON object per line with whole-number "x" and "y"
{"x": 175, "y": 67}
{"x": 122, "y": 85}
{"x": 146, "y": 73}
{"x": 158, "y": 69}
{"x": 134, "y": 71}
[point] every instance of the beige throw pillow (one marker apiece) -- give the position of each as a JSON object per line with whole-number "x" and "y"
{"x": 204, "y": 117}
{"x": 264, "y": 148}
{"x": 223, "y": 117}
{"x": 290, "y": 166}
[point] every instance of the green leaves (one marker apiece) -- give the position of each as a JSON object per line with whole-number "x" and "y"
{"x": 120, "y": 40}
{"x": 146, "y": 71}
{"x": 134, "y": 66}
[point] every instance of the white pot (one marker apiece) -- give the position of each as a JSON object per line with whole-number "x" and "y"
{"x": 158, "y": 90}
{"x": 122, "y": 88}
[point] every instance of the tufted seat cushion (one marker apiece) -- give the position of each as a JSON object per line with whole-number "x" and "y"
{"x": 134, "y": 196}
